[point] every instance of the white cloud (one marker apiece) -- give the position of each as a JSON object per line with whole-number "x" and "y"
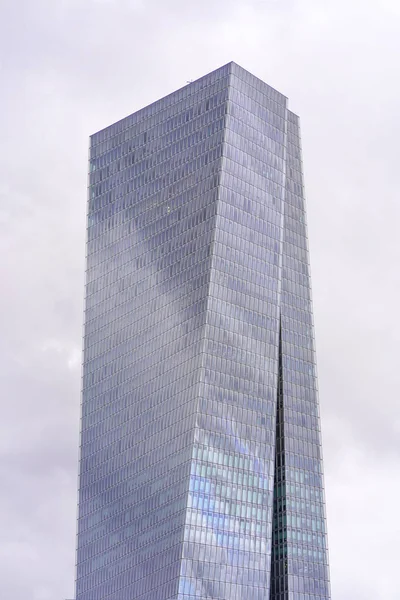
{"x": 75, "y": 359}
{"x": 72, "y": 67}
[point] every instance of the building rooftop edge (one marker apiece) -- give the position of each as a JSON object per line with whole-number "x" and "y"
{"x": 232, "y": 62}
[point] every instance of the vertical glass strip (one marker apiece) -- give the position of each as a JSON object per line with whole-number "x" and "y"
{"x": 279, "y": 577}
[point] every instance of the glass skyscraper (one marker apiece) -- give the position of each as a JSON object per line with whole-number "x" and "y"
{"x": 201, "y": 470}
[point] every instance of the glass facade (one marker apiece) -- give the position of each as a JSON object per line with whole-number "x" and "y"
{"x": 201, "y": 468}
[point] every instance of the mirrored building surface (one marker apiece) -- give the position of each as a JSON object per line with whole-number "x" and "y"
{"x": 201, "y": 470}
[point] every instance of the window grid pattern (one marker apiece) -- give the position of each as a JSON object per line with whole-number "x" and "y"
{"x": 152, "y": 209}
{"x": 228, "y": 528}
{"x": 301, "y": 515}
{"x": 201, "y": 469}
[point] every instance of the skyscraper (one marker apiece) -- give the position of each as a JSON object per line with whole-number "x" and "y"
{"x": 201, "y": 467}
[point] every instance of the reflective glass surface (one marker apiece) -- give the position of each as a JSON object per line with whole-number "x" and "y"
{"x": 201, "y": 469}
{"x": 299, "y": 560}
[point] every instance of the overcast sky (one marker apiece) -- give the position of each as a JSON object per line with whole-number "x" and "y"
{"x": 71, "y": 67}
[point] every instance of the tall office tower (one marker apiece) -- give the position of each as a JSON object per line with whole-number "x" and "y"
{"x": 201, "y": 468}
